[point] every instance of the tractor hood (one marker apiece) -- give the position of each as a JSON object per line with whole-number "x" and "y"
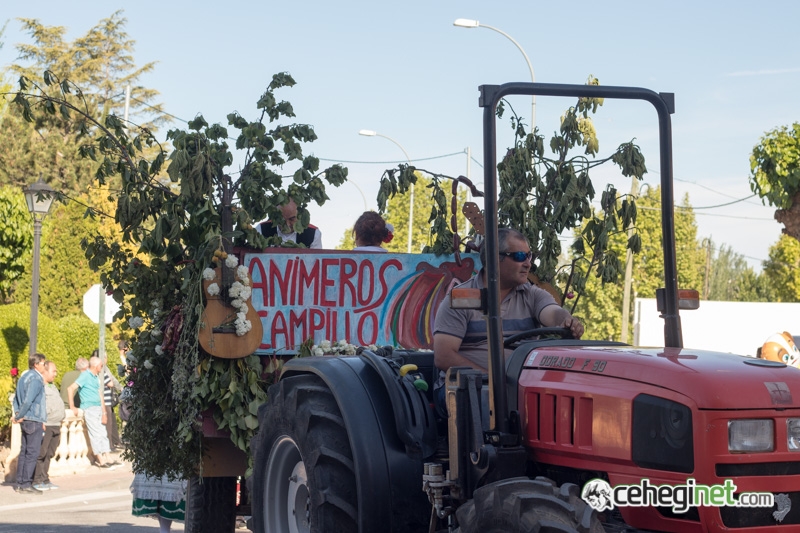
{"x": 714, "y": 380}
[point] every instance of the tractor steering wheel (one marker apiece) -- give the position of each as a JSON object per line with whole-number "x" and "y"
{"x": 563, "y": 333}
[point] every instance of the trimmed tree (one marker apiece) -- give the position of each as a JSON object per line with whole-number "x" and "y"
{"x": 775, "y": 175}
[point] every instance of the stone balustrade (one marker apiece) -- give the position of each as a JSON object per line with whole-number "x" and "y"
{"x": 73, "y": 453}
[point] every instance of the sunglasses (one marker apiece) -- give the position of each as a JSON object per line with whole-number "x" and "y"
{"x": 518, "y": 257}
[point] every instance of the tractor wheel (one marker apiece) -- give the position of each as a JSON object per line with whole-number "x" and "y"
{"x": 304, "y": 479}
{"x": 211, "y": 505}
{"x": 525, "y": 506}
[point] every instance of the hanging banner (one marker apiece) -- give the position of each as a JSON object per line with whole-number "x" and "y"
{"x": 363, "y": 298}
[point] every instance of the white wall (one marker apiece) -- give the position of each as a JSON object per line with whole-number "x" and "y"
{"x": 735, "y": 327}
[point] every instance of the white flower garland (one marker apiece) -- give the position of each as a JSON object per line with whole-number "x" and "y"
{"x": 239, "y": 292}
{"x": 341, "y": 347}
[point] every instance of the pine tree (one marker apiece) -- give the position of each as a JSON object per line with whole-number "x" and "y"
{"x": 101, "y": 63}
{"x": 782, "y": 270}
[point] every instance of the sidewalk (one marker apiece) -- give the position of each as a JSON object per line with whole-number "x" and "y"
{"x": 114, "y": 477}
{"x": 96, "y": 499}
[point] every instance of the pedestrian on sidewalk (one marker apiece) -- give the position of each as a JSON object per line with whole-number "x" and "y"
{"x": 30, "y": 413}
{"x": 81, "y": 365}
{"x": 90, "y": 389}
{"x": 111, "y": 390}
{"x": 160, "y": 498}
{"x": 56, "y": 413}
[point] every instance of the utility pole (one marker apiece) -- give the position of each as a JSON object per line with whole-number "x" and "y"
{"x": 626, "y": 295}
{"x": 708, "y": 268}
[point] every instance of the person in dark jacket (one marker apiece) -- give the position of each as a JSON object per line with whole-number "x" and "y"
{"x": 311, "y": 237}
{"x": 30, "y": 413}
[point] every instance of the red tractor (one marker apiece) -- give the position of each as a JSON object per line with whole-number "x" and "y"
{"x": 353, "y": 443}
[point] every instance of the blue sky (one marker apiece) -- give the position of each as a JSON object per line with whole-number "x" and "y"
{"x": 404, "y": 70}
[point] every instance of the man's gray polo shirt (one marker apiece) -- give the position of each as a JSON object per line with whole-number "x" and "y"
{"x": 520, "y": 311}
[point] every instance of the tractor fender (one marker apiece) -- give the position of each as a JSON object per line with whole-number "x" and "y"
{"x": 381, "y": 463}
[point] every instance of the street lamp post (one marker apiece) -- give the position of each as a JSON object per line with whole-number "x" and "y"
{"x": 371, "y": 133}
{"x": 469, "y": 23}
{"x": 39, "y": 197}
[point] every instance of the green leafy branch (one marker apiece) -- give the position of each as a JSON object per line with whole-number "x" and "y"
{"x": 544, "y": 195}
{"x": 399, "y": 180}
{"x": 173, "y": 213}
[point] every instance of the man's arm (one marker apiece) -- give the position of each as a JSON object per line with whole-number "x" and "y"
{"x": 102, "y": 401}
{"x": 445, "y": 353}
{"x": 555, "y": 316}
{"x": 71, "y": 396}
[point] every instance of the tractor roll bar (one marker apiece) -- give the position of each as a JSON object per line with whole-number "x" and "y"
{"x": 490, "y": 96}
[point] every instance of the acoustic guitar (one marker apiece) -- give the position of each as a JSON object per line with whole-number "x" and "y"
{"x": 473, "y": 213}
{"x": 217, "y": 333}
{"x": 218, "y": 323}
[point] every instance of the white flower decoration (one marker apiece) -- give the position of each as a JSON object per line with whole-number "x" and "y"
{"x": 340, "y": 347}
{"x": 237, "y": 303}
{"x": 242, "y": 273}
{"x": 155, "y": 333}
{"x": 242, "y": 324}
{"x": 159, "y": 350}
{"x": 148, "y": 365}
{"x": 135, "y": 322}
{"x": 235, "y": 289}
{"x": 245, "y": 293}
{"x": 209, "y": 274}
{"x": 231, "y": 261}
{"x": 213, "y": 289}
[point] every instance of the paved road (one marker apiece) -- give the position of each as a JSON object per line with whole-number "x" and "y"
{"x": 90, "y": 502}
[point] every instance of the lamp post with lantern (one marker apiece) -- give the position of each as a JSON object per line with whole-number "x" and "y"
{"x": 39, "y": 197}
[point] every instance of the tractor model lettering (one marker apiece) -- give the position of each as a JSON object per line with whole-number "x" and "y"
{"x": 555, "y": 361}
{"x": 595, "y": 365}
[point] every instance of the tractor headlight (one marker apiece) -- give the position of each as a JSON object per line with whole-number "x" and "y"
{"x": 662, "y": 434}
{"x": 751, "y": 436}
{"x": 793, "y": 434}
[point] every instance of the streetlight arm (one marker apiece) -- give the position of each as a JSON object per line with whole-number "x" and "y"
{"x": 398, "y": 145}
{"x": 469, "y": 23}
{"x": 372, "y": 133}
{"x": 507, "y": 36}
